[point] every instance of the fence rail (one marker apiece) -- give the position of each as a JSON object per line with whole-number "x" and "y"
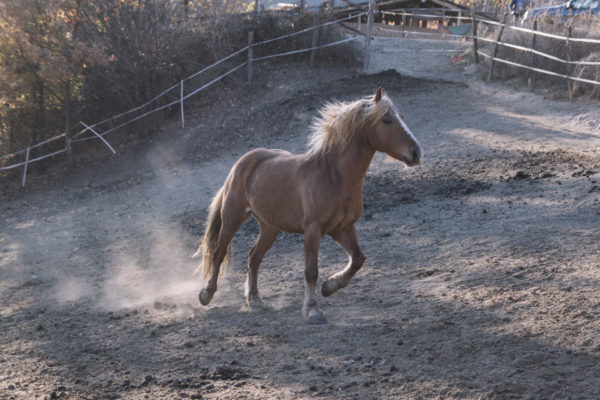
{"x": 539, "y": 33}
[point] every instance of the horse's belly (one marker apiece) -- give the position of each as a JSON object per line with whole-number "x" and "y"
{"x": 278, "y": 214}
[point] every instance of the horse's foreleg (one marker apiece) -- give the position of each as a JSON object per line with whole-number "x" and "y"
{"x": 264, "y": 242}
{"x": 312, "y": 238}
{"x": 349, "y": 242}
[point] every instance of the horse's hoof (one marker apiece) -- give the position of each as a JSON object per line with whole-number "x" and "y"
{"x": 328, "y": 288}
{"x": 255, "y": 303}
{"x": 315, "y": 316}
{"x": 205, "y": 297}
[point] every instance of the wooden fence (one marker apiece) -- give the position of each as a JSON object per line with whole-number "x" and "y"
{"x": 497, "y": 42}
{"x": 568, "y": 39}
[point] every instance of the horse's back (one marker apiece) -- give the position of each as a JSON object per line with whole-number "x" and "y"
{"x": 261, "y": 154}
{"x": 259, "y": 158}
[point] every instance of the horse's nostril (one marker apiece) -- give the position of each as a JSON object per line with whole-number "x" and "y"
{"x": 415, "y": 154}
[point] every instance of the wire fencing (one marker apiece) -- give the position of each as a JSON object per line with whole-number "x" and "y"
{"x": 536, "y": 55}
{"x": 175, "y": 92}
{"x": 498, "y": 42}
{"x": 175, "y": 95}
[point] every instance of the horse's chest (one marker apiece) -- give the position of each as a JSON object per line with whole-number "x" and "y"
{"x": 348, "y": 212}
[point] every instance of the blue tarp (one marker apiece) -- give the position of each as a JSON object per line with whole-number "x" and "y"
{"x": 460, "y": 29}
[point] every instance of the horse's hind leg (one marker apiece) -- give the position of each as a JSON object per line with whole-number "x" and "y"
{"x": 265, "y": 240}
{"x": 348, "y": 240}
{"x": 234, "y": 214}
{"x": 207, "y": 293}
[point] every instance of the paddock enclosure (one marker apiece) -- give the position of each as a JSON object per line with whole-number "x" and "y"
{"x": 482, "y": 271}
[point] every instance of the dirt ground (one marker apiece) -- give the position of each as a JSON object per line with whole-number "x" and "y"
{"x": 482, "y": 272}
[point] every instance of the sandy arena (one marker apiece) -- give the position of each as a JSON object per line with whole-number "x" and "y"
{"x": 482, "y": 271}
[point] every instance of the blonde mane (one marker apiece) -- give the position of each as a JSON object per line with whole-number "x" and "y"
{"x": 339, "y": 123}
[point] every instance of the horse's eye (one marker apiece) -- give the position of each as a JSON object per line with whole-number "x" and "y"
{"x": 387, "y": 121}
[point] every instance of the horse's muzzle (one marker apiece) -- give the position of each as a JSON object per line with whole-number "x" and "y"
{"x": 415, "y": 157}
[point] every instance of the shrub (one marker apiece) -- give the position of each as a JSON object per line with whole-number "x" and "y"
{"x": 136, "y": 49}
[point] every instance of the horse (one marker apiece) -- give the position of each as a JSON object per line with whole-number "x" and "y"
{"x": 317, "y": 193}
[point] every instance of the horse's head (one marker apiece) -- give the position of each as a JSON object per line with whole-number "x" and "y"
{"x": 391, "y": 135}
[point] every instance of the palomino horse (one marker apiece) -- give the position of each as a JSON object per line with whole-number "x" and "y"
{"x": 317, "y": 193}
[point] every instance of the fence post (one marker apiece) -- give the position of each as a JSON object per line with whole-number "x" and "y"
{"x": 67, "y": 110}
{"x": 25, "y": 168}
{"x": 569, "y": 69}
{"x": 68, "y": 148}
{"x": 495, "y": 53}
{"x": 250, "y": 55}
{"x": 475, "y": 49}
{"x": 368, "y": 37}
{"x": 531, "y": 80}
{"x": 315, "y": 40}
{"x": 403, "y": 23}
{"x": 181, "y": 102}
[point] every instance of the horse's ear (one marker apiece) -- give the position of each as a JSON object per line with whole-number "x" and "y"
{"x": 378, "y": 94}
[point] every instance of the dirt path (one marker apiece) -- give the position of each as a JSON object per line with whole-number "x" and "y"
{"x": 481, "y": 278}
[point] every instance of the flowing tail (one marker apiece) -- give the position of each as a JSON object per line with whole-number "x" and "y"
{"x": 208, "y": 246}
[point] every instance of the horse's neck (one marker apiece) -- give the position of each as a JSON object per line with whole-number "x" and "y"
{"x": 353, "y": 163}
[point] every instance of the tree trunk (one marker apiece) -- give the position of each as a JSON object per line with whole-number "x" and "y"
{"x": 40, "y": 121}
{"x": 67, "y": 110}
